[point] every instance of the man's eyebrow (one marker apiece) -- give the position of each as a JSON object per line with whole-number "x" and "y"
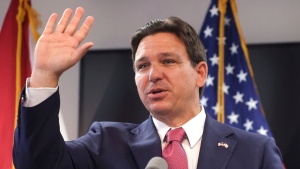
{"x": 168, "y": 54}
{"x": 163, "y": 54}
{"x": 141, "y": 59}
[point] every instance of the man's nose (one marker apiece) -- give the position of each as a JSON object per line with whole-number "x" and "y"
{"x": 156, "y": 73}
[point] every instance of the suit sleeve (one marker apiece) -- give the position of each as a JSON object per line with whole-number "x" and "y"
{"x": 272, "y": 157}
{"x": 38, "y": 142}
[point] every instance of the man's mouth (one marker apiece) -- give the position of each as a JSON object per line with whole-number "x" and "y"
{"x": 156, "y": 91}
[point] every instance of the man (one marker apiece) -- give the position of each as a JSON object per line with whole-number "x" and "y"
{"x": 170, "y": 72}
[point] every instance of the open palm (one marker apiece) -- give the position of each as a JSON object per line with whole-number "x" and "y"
{"x": 58, "y": 49}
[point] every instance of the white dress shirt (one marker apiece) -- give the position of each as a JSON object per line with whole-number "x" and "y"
{"x": 193, "y": 129}
{"x": 35, "y": 96}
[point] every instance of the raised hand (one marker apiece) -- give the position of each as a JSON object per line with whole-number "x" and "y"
{"x": 58, "y": 47}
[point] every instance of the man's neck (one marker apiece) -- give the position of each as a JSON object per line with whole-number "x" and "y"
{"x": 177, "y": 120}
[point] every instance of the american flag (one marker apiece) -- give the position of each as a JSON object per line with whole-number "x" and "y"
{"x": 242, "y": 106}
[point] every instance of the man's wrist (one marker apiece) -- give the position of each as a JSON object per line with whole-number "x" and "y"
{"x": 35, "y": 96}
{"x": 43, "y": 78}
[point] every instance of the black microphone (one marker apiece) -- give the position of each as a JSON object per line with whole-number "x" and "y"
{"x": 157, "y": 163}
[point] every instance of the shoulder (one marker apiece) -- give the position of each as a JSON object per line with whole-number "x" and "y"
{"x": 105, "y": 132}
{"x": 247, "y": 143}
{"x": 248, "y": 146}
{"x": 248, "y": 136}
{"x": 252, "y": 142}
{"x": 122, "y": 127}
{"x": 233, "y": 132}
{"x": 116, "y": 127}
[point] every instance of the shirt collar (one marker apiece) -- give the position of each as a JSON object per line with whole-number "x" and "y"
{"x": 193, "y": 128}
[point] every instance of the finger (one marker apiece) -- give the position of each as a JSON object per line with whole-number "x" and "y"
{"x": 84, "y": 29}
{"x": 72, "y": 26}
{"x": 81, "y": 51}
{"x": 61, "y": 26}
{"x": 50, "y": 24}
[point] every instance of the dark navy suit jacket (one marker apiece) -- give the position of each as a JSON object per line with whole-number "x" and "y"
{"x": 113, "y": 145}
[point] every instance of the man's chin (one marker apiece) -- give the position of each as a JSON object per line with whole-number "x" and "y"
{"x": 159, "y": 109}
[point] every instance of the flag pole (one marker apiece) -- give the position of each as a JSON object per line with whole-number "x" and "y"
{"x": 221, "y": 102}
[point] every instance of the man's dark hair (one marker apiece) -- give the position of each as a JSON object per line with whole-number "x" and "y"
{"x": 181, "y": 29}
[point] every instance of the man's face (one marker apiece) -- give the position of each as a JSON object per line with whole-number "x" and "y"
{"x": 167, "y": 83}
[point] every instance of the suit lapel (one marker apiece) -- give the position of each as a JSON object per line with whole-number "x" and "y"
{"x": 144, "y": 143}
{"x": 214, "y": 154}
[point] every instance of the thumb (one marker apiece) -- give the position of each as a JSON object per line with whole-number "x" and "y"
{"x": 81, "y": 51}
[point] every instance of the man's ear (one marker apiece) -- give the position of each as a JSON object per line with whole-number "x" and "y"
{"x": 201, "y": 69}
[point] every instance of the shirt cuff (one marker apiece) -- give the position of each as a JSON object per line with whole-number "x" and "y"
{"x": 35, "y": 96}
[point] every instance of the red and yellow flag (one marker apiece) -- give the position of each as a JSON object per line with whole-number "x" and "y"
{"x": 14, "y": 69}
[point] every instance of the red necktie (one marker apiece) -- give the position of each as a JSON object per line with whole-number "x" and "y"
{"x": 173, "y": 152}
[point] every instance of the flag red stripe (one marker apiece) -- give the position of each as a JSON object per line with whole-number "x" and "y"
{"x": 8, "y": 47}
{"x": 25, "y": 56}
{"x": 8, "y": 41}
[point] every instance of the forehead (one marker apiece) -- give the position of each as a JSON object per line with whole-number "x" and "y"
{"x": 160, "y": 43}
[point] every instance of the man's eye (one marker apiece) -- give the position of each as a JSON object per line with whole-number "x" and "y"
{"x": 142, "y": 66}
{"x": 169, "y": 61}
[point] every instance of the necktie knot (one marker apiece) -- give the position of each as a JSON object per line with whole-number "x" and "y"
{"x": 177, "y": 134}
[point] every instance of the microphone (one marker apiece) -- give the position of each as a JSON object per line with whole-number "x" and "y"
{"x": 157, "y": 163}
